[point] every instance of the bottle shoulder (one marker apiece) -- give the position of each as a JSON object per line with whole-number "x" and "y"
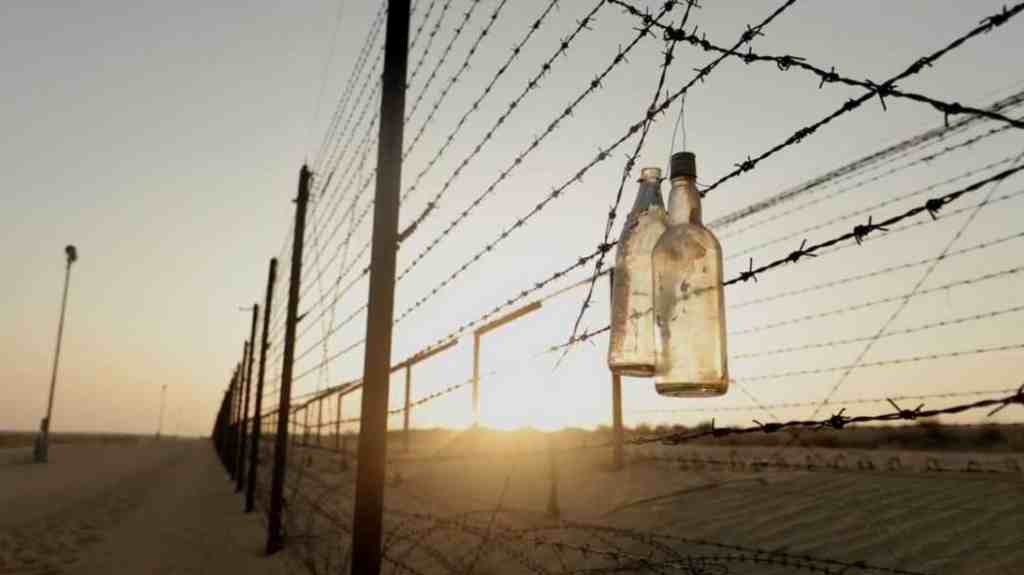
{"x": 687, "y": 232}
{"x": 644, "y": 223}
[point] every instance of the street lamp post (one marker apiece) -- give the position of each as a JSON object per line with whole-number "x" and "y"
{"x": 160, "y": 422}
{"x": 43, "y": 441}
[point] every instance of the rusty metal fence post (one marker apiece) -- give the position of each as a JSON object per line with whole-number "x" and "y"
{"x": 275, "y": 538}
{"x": 244, "y": 435}
{"x": 368, "y": 526}
{"x": 257, "y": 425}
{"x": 618, "y": 457}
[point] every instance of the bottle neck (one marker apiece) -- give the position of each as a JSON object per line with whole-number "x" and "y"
{"x": 684, "y": 201}
{"x": 649, "y": 195}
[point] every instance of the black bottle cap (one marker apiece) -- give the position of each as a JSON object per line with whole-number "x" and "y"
{"x": 683, "y": 164}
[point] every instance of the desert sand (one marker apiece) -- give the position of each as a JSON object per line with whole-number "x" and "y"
{"x": 701, "y": 509}
{"x": 149, "y": 507}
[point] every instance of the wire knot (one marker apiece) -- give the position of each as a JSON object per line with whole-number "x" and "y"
{"x": 749, "y": 274}
{"x": 828, "y": 77}
{"x": 909, "y": 414}
{"x": 745, "y": 165}
{"x": 861, "y": 231}
{"x": 795, "y": 256}
{"x": 751, "y": 33}
{"x": 837, "y": 421}
{"x": 933, "y": 206}
{"x": 997, "y": 19}
{"x": 786, "y": 61}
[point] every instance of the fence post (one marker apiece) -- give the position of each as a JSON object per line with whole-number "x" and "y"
{"x": 305, "y": 426}
{"x": 337, "y": 425}
{"x": 344, "y": 453}
{"x": 219, "y": 431}
{"x": 553, "y": 509}
{"x": 319, "y": 419}
{"x": 240, "y": 417}
{"x": 245, "y": 405}
{"x": 616, "y": 421}
{"x": 236, "y": 448}
{"x": 274, "y": 535}
{"x": 617, "y": 455}
{"x": 257, "y": 419}
{"x": 229, "y": 453}
{"x": 368, "y": 525}
{"x": 405, "y": 416}
{"x": 476, "y": 379}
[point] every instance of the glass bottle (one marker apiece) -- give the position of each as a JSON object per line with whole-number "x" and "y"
{"x": 631, "y": 341}
{"x": 689, "y": 303}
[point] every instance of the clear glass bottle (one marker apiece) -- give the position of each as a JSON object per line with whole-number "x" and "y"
{"x": 631, "y": 341}
{"x": 689, "y": 303}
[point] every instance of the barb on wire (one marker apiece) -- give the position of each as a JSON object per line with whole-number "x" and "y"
{"x": 839, "y": 402}
{"x": 931, "y": 206}
{"x": 839, "y": 420}
{"x": 364, "y": 52}
{"x": 531, "y": 85}
{"x": 861, "y": 232}
{"x": 430, "y": 39}
{"x": 601, "y": 156}
{"x": 906, "y": 331}
{"x": 830, "y": 76}
{"x": 501, "y": 70}
{"x": 885, "y": 362}
{"x": 880, "y": 90}
{"x": 630, "y": 163}
{"x": 444, "y": 57}
{"x": 447, "y": 141}
{"x": 882, "y": 157}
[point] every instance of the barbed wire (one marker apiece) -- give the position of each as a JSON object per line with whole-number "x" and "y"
{"x": 838, "y": 464}
{"x": 845, "y": 280}
{"x": 430, "y": 42}
{"x": 531, "y": 85}
{"x": 893, "y": 199}
{"x": 971, "y": 281}
{"x": 880, "y": 90}
{"x": 862, "y": 231}
{"x": 332, "y": 131}
{"x": 831, "y": 76}
{"x": 513, "y": 55}
{"x": 366, "y": 144}
{"x": 839, "y": 420}
{"x": 859, "y": 233}
{"x": 346, "y": 93}
{"x": 473, "y": 4}
{"x": 923, "y": 160}
{"x": 886, "y": 155}
{"x": 905, "y": 331}
{"x": 451, "y": 136}
{"x": 628, "y": 168}
{"x": 883, "y": 363}
{"x": 839, "y": 402}
{"x": 466, "y": 326}
{"x": 602, "y": 155}
{"x": 361, "y": 103}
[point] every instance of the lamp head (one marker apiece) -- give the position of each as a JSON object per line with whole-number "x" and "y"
{"x": 72, "y": 254}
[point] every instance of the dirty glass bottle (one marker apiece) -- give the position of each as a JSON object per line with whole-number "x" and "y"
{"x": 689, "y": 304}
{"x": 631, "y": 341}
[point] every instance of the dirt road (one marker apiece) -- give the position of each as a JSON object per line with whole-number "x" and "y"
{"x": 153, "y": 507}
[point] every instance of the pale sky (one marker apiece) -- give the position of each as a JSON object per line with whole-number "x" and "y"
{"x": 164, "y": 140}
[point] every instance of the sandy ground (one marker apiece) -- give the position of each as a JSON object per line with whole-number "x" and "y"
{"x": 673, "y": 510}
{"x": 155, "y": 507}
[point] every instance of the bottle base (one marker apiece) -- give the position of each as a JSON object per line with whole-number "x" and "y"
{"x": 705, "y": 389}
{"x": 633, "y": 369}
